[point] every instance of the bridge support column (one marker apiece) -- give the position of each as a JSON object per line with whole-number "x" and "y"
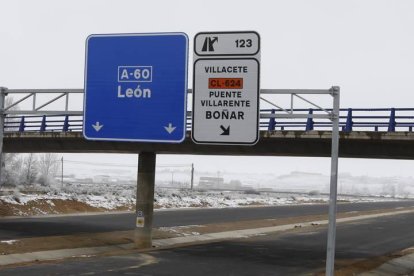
{"x": 145, "y": 199}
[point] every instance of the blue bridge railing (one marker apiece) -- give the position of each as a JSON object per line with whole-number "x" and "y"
{"x": 351, "y": 119}
{"x": 43, "y": 123}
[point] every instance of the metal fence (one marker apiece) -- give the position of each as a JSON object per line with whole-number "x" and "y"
{"x": 351, "y": 119}
{"x": 50, "y": 110}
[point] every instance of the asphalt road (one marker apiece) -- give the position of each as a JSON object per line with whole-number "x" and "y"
{"x": 297, "y": 253}
{"x": 66, "y": 225}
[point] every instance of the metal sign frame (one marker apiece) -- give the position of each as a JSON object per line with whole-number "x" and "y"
{"x": 289, "y": 113}
{"x": 38, "y": 105}
{"x": 334, "y": 117}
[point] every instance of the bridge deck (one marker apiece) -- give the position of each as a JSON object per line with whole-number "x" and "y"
{"x": 357, "y": 144}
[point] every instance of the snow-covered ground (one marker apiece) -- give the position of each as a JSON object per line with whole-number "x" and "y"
{"x": 177, "y": 198}
{"x": 87, "y": 194}
{"x": 295, "y": 181}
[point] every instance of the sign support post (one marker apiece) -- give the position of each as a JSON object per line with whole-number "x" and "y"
{"x": 334, "y": 117}
{"x": 330, "y": 252}
{"x": 145, "y": 199}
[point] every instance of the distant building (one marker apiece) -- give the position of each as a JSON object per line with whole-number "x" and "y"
{"x": 234, "y": 185}
{"x": 207, "y": 182}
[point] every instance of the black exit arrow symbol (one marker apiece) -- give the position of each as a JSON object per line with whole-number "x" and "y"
{"x": 226, "y": 131}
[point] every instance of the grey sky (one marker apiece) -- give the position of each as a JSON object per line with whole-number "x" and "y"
{"x": 366, "y": 47}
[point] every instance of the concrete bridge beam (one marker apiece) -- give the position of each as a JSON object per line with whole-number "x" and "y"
{"x": 362, "y": 144}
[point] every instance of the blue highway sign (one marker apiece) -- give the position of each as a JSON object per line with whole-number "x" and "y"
{"x": 136, "y": 87}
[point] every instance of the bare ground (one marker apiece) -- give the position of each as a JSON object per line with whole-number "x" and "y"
{"x": 52, "y": 206}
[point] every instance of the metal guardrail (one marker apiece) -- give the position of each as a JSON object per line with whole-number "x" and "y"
{"x": 357, "y": 119}
{"x": 350, "y": 119}
{"x": 40, "y": 115}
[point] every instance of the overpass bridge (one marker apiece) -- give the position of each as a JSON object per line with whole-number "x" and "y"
{"x": 364, "y": 132}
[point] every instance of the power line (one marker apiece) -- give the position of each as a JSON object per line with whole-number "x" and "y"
{"x": 121, "y": 165}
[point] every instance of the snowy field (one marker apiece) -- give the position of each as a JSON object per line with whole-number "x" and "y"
{"x": 101, "y": 194}
{"x": 106, "y": 198}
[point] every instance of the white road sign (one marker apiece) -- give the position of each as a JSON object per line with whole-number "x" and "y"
{"x": 226, "y": 101}
{"x": 227, "y": 44}
{"x": 226, "y": 88}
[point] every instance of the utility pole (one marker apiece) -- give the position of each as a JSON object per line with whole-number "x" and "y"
{"x": 61, "y": 179}
{"x": 3, "y": 93}
{"x": 192, "y": 175}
